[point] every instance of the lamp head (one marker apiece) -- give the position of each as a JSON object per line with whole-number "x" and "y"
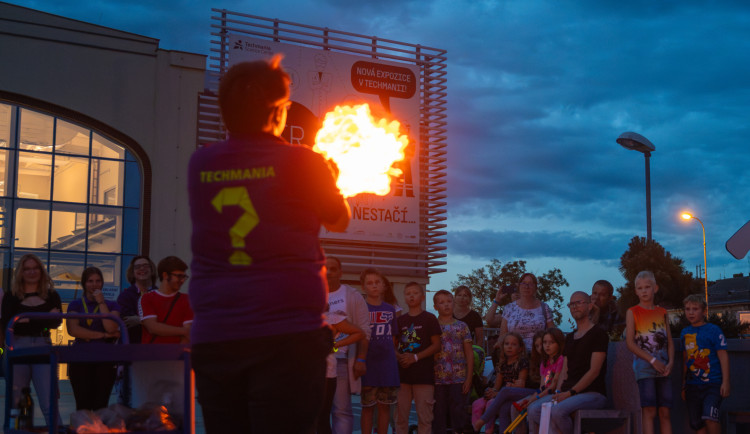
{"x": 686, "y": 216}
{"x": 636, "y": 142}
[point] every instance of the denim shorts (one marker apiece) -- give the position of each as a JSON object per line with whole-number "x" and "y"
{"x": 703, "y": 402}
{"x": 655, "y": 392}
{"x": 378, "y": 395}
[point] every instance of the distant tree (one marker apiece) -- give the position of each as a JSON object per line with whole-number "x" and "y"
{"x": 486, "y": 281}
{"x": 727, "y": 321}
{"x": 675, "y": 283}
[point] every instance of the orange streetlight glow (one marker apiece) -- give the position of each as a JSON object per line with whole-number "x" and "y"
{"x": 688, "y": 216}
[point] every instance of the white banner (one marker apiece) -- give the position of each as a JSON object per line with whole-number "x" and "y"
{"x": 321, "y": 80}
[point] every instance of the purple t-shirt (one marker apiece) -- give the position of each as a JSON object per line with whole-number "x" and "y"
{"x": 382, "y": 366}
{"x": 256, "y": 205}
{"x": 91, "y": 307}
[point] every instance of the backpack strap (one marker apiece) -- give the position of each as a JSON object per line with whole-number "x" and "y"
{"x": 171, "y": 306}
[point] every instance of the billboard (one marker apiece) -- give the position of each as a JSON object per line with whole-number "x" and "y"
{"x": 322, "y": 79}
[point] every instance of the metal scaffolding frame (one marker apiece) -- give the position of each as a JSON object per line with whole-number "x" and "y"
{"x": 415, "y": 261}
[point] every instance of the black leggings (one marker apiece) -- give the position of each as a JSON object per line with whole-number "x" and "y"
{"x": 92, "y": 384}
{"x": 324, "y": 418}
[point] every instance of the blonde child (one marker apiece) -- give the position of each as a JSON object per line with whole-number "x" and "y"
{"x": 512, "y": 372}
{"x": 706, "y": 369}
{"x": 454, "y": 366}
{"x": 380, "y": 382}
{"x": 649, "y": 339}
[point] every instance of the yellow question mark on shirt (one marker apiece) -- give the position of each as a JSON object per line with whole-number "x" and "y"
{"x": 238, "y": 196}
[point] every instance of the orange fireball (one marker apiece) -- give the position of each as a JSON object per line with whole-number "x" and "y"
{"x": 363, "y": 149}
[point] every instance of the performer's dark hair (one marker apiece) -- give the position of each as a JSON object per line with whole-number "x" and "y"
{"x": 250, "y": 91}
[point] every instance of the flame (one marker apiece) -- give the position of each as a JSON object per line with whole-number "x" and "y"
{"x": 363, "y": 149}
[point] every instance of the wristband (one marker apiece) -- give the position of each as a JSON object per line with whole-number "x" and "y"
{"x": 362, "y": 360}
{"x": 557, "y": 391}
{"x": 653, "y": 359}
{"x": 495, "y": 301}
{"x": 416, "y": 359}
{"x": 572, "y": 392}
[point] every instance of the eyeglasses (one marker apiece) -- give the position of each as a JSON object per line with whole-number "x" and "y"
{"x": 573, "y": 304}
{"x": 142, "y": 266}
{"x": 179, "y": 276}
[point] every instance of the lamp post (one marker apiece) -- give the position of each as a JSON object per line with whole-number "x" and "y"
{"x": 687, "y": 216}
{"x": 637, "y": 142}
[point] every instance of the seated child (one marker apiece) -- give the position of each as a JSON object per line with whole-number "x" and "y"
{"x": 513, "y": 369}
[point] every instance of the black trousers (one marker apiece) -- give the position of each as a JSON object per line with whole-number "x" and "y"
{"x": 272, "y": 384}
{"x": 92, "y": 384}
{"x": 324, "y": 417}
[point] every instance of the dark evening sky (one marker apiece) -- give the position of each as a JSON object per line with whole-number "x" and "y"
{"x": 538, "y": 91}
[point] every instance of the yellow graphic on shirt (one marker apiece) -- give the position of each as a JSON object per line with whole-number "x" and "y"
{"x": 697, "y": 359}
{"x": 650, "y": 330}
{"x": 238, "y": 196}
{"x": 238, "y": 174}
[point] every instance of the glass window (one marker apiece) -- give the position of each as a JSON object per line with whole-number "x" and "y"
{"x": 110, "y": 266}
{"x": 5, "y": 112}
{"x": 5, "y": 219}
{"x": 34, "y": 175}
{"x": 7, "y": 268}
{"x": 36, "y": 131}
{"x": 105, "y": 229}
{"x": 68, "y": 229}
{"x": 4, "y": 161}
{"x": 70, "y": 178}
{"x": 107, "y": 180}
{"x": 65, "y": 270}
{"x": 71, "y": 139}
{"x": 101, "y": 147}
{"x": 66, "y": 193}
{"x": 32, "y": 224}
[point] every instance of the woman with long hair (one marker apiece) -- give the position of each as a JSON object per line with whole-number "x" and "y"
{"x": 32, "y": 290}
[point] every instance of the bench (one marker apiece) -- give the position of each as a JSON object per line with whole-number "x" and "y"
{"x": 735, "y": 417}
{"x": 601, "y": 421}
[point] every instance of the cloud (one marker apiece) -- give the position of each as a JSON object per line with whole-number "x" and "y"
{"x": 487, "y": 244}
{"x": 538, "y": 92}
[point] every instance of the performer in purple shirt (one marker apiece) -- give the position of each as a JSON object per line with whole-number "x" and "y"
{"x": 258, "y": 285}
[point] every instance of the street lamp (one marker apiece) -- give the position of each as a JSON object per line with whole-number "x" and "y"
{"x": 687, "y": 216}
{"x": 637, "y": 142}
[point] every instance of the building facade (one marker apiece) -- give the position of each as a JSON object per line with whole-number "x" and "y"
{"x": 96, "y": 130}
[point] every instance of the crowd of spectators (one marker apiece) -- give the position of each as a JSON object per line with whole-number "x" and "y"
{"x": 393, "y": 356}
